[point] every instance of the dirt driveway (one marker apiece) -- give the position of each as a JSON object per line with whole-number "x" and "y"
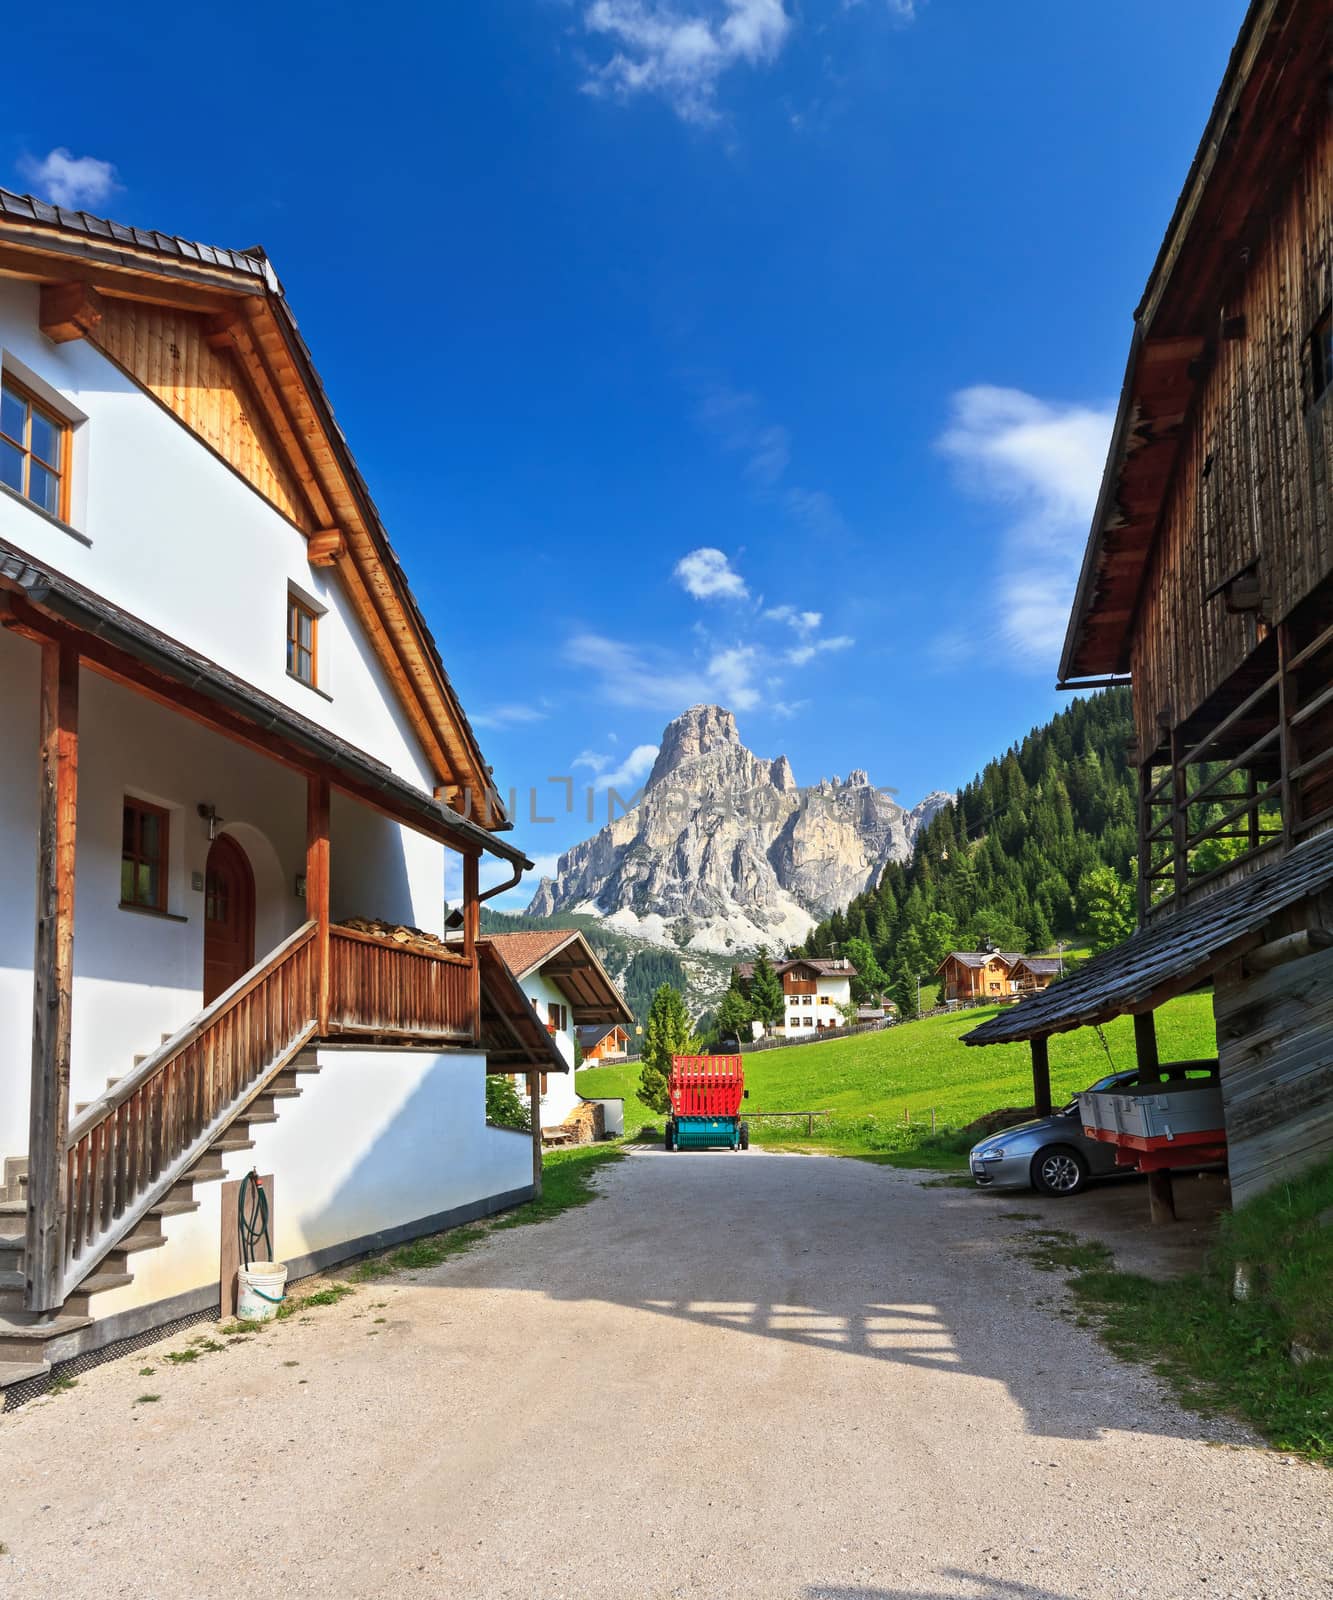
{"x": 749, "y": 1375}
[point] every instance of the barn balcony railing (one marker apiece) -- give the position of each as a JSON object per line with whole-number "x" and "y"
{"x": 1256, "y": 778}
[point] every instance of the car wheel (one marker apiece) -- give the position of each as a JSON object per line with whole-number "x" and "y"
{"x": 1059, "y": 1170}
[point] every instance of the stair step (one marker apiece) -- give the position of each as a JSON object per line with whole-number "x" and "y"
{"x": 78, "y": 1304}
{"x": 207, "y": 1169}
{"x": 20, "y": 1371}
{"x": 231, "y": 1140}
{"x": 252, "y": 1116}
{"x": 174, "y": 1208}
{"x": 283, "y": 1091}
{"x": 24, "y": 1335}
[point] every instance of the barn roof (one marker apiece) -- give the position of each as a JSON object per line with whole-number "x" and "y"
{"x": 1169, "y": 955}
{"x": 1274, "y": 83}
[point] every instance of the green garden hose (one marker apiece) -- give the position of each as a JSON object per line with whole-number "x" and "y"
{"x": 252, "y": 1218}
{"x": 252, "y": 1226}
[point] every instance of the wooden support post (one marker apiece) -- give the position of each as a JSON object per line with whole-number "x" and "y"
{"x": 53, "y": 978}
{"x": 535, "y": 1101}
{"x": 1145, "y": 848}
{"x": 1145, "y": 1044}
{"x": 1041, "y": 1075}
{"x": 1179, "y": 815}
{"x": 471, "y": 932}
{"x": 1286, "y": 708}
{"x": 1161, "y": 1197}
{"x": 317, "y": 890}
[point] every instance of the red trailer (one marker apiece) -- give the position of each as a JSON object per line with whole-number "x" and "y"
{"x": 706, "y": 1094}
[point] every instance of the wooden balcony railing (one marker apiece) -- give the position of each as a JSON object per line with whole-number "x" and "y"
{"x": 128, "y": 1148}
{"x": 379, "y": 987}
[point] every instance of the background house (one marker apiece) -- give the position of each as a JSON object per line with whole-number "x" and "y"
{"x": 568, "y": 988}
{"x": 977, "y": 977}
{"x": 601, "y": 1042}
{"x": 814, "y": 991}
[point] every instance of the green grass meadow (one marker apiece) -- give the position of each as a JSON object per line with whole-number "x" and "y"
{"x": 873, "y": 1083}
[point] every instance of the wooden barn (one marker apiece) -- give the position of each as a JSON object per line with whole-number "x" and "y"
{"x": 1208, "y": 584}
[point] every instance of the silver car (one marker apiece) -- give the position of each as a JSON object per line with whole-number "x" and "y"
{"x": 1052, "y": 1155}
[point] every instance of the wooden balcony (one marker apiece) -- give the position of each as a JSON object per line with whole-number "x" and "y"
{"x": 390, "y": 990}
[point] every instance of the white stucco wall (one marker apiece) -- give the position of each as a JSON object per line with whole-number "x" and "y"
{"x": 377, "y": 1139}
{"x": 561, "y": 1096}
{"x": 181, "y": 541}
{"x": 138, "y": 975}
{"x": 821, "y": 1007}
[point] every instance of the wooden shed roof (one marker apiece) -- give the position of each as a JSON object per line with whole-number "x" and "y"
{"x": 241, "y": 295}
{"x": 1274, "y": 85}
{"x": 512, "y": 1035}
{"x": 1169, "y": 956}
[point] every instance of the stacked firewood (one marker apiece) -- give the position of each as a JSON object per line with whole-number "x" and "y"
{"x": 395, "y": 933}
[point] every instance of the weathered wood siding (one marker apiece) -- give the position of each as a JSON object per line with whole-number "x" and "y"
{"x": 1252, "y": 478}
{"x": 1275, "y": 1046}
{"x": 167, "y": 352}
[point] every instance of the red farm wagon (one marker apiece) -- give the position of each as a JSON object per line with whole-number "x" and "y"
{"x": 706, "y": 1094}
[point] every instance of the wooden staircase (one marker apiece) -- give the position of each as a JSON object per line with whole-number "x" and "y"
{"x": 135, "y": 1156}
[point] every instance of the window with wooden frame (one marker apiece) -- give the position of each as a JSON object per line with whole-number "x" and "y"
{"x": 558, "y": 1015}
{"x": 302, "y": 641}
{"x": 1321, "y": 355}
{"x": 143, "y": 855}
{"x": 34, "y": 449}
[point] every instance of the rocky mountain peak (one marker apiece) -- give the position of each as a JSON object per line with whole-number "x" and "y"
{"x": 700, "y": 731}
{"x": 724, "y": 851}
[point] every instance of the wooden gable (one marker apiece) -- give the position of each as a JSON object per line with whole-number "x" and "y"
{"x": 171, "y": 353}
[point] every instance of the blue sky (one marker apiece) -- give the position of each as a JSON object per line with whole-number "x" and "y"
{"x": 760, "y": 351}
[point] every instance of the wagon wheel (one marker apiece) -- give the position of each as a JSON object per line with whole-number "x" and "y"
{"x": 745, "y": 1136}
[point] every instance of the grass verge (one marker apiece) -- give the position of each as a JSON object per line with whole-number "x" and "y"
{"x": 1267, "y": 1358}
{"x": 567, "y": 1181}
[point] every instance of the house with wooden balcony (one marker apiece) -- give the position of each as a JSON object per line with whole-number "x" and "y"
{"x": 569, "y": 990}
{"x": 228, "y": 733}
{"x": 816, "y": 992}
{"x": 1207, "y": 585}
{"x": 977, "y": 977}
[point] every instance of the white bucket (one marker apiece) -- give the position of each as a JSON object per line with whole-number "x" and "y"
{"x": 261, "y": 1289}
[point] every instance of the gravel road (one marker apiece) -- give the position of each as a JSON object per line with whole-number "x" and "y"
{"x": 734, "y": 1375}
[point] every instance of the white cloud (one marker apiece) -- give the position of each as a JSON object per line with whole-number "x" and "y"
{"x": 707, "y": 574}
{"x": 591, "y": 758}
{"x": 1043, "y": 462}
{"x": 507, "y": 716}
{"x": 681, "y": 54}
{"x": 656, "y": 680}
{"x": 67, "y": 180}
{"x": 801, "y": 653}
{"x": 732, "y": 671}
{"x": 631, "y": 772}
{"x": 803, "y": 621}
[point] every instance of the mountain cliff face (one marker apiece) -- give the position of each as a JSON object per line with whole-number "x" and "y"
{"x": 725, "y": 851}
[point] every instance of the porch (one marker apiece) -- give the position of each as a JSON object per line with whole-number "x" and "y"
{"x": 208, "y": 940}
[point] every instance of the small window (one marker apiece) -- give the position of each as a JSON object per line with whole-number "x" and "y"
{"x": 1321, "y": 355}
{"x": 34, "y": 450}
{"x": 143, "y": 856}
{"x": 302, "y": 641}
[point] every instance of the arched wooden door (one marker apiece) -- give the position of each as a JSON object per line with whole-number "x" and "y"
{"x": 229, "y": 917}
